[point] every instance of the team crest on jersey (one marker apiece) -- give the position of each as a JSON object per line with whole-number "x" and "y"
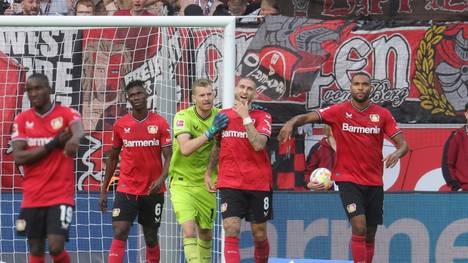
{"x": 115, "y": 212}
{"x": 224, "y": 207}
{"x": 29, "y": 124}
{"x": 56, "y": 123}
{"x": 152, "y": 129}
{"x": 374, "y": 117}
{"x": 180, "y": 123}
{"x": 351, "y": 208}
{"x": 20, "y": 225}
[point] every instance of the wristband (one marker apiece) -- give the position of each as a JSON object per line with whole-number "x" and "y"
{"x": 247, "y": 121}
{"x": 54, "y": 143}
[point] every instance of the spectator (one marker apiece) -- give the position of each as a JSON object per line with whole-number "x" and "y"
{"x": 237, "y": 7}
{"x": 29, "y": 8}
{"x": 84, "y": 8}
{"x": 55, "y": 7}
{"x": 137, "y": 9}
{"x": 269, "y": 8}
{"x": 455, "y": 158}
{"x": 159, "y": 7}
{"x": 208, "y": 7}
{"x": 322, "y": 155}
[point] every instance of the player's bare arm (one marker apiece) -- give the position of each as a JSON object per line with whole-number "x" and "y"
{"x": 213, "y": 162}
{"x": 167, "y": 154}
{"x": 257, "y": 140}
{"x": 22, "y": 156}
{"x": 72, "y": 145}
{"x": 299, "y": 120}
{"x": 188, "y": 145}
{"x": 111, "y": 163}
{"x": 401, "y": 149}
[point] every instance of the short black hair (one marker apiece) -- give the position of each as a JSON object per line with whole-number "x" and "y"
{"x": 362, "y": 73}
{"x": 134, "y": 83}
{"x": 466, "y": 106}
{"x": 41, "y": 77}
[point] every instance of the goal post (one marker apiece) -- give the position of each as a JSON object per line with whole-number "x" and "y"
{"x": 44, "y": 44}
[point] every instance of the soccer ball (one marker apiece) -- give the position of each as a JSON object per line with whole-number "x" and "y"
{"x": 322, "y": 175}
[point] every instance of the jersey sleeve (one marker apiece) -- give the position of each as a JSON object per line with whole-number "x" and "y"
{"x": 390, "y": 126}
{"x": 329, "y": 114}
{"x": 165, "y": 134}
{"x": 182, "y": 124}
{"x": 116, "y": 137}
{"x": 263, "y": 124}
{"x": 18, "y": 132}
{"x": 72, "y": 116}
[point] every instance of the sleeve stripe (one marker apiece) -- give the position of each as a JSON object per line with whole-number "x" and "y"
{"x": 19, "y": 139}
{"x": 182, "y": 132}
{"x": 268, "y": 136}
{"x": 396, "y": 133}
{"x": 318, "y": 113}
{"x": 166, "y": 145}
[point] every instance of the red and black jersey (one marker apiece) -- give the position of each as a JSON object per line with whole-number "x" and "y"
{"x": 359, "y": 138}
{"x": 455, "y": 159}
{"x": 141, "y": 143}
{"x": 49, "y": 181}
{"x": 240, "y": 166}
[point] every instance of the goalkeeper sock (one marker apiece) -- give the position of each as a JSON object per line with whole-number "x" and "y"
{"x": 358, "y": 248}
{"x": 204, "y": 250}
{"x": 262, "y": 250}
{"x": 62, "y": 257}
{"x": 370, "y": 252}
{"x": 117, "y": 251}
{"x": 152, "y": 254}
{"x": 36, "y": 259}
{"x": 190, "y": 250}
{"x": 231, "y": 250}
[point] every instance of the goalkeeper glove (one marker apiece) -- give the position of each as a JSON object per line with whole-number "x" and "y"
{"x": 219, "y": 123}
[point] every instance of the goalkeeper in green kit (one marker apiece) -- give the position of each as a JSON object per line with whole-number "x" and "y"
{"x": 194, "y": 206}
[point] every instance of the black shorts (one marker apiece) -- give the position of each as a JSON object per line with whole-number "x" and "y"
{"x": 147, "y": 207}
{"x": 362, "y": 200}
{"x": 38, "y": 222}
{"x": 255, "y": 206}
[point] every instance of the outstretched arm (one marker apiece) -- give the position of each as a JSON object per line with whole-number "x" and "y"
{"x": 299, "y": 120}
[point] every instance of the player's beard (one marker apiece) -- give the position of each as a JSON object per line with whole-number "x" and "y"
{"x": 361, "y": 100}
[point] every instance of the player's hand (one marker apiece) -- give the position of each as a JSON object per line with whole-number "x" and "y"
{"x": 319, "y": 187}
{"x": 156, "y": 185}
{"x": 286, "y": 132}
{"x": 210, "y": 187}
{"x": 242, "y": 108}
{"x": 71, "y": 146}
{"x": 219, "y": 123}
{"x": 391, "y": 160}
{"x": 103, "y": 201}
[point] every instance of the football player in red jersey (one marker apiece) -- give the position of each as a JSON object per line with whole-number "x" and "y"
{"x": 359, "y": 127}
{"x": 45, "y": 139}
{"x": 142, "y": 138}
{"x": 244, "y": 174}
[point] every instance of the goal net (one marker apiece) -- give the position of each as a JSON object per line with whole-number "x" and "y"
{"x": 88, "y": 63}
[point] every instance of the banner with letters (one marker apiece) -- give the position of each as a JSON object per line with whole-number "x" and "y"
{"x": 300, "y": 64}
{"x": 395, "y": 10}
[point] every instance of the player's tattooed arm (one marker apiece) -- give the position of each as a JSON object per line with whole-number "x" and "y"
{"x": 257, "y": 140}
{"x": 401, "y": 149}
{"x": 111, "y": 163}
{"x": 212, "y": 163}
{"x": 299, "y": 120}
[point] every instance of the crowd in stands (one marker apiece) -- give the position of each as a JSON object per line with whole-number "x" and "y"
{"x": 140, "y": 7}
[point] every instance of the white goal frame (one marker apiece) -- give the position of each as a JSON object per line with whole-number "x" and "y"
{"x": 227, "y": 23}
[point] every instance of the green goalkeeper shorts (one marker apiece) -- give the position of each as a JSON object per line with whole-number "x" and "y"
{"x": 194, "y": 203}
